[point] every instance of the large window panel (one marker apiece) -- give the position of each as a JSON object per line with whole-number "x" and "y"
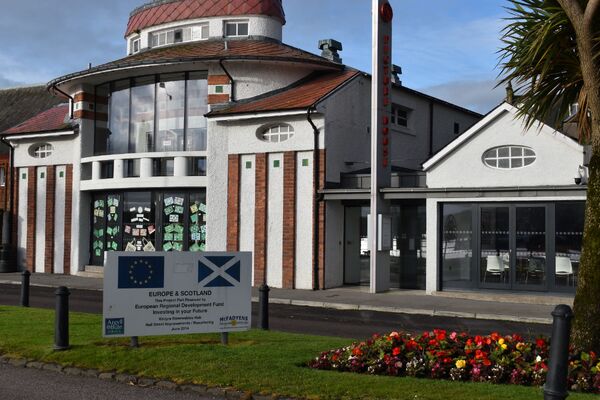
{"x": 457, "y": 246}
{"x": 197, "y": 107}
{"x": 142, "y": 116}
{"x": 569, "y": 237}
{"x": 170, "y": 106}
{"x": 118, "y": 136}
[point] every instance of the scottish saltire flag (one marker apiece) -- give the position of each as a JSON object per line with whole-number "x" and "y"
{"x": 141, "y": 272}
{"x": 219, "y": 271}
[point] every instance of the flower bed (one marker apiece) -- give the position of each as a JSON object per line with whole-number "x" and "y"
{"x": 460, "y": 357}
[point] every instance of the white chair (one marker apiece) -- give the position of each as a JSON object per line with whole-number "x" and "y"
{"x": 564, "y": 267}
{"x": 494, "y": 266}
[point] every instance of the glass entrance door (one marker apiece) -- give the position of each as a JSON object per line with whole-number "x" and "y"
{"x": 494, "y": 245}
{"x": 512, "y": 247}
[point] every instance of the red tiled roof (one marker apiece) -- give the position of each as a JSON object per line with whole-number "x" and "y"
{"x": 300, "y": 95}
{"x": 244, "y": 49}
{"x": 168, "y": 11}
{"x": 53, "y": 119}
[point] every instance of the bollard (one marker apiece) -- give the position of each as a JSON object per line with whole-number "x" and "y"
{"x": 558, "y": 368}
{"x": 263, "y": 307}
{"x": 135, "y": 342}
{"x": 224, "y": 338}
{"x": 25, "y": 288}
{"x": 61, "y": 322}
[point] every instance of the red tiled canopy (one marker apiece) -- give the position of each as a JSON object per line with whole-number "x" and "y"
{"x": 179, "y": 10}
{"x": 50, "y": 120}
{"x": 300, "y": 95}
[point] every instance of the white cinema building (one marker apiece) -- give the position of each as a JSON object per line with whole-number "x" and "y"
{"x": 213, "y": 134}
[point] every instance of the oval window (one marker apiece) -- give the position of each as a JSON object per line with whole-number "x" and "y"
{"x": 41, "y": 150}
{"x": 276, "y": 133}
{"x": 509, "y": 157}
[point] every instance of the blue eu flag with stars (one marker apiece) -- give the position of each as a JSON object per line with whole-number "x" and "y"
{"x": 141, "y": 272}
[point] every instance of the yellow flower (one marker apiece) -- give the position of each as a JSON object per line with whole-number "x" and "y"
{"x": 520, "y": 346}
{"x": 501, "y": 341}
{"x": 504, "y": 346}
{"x": 461, "y": 364}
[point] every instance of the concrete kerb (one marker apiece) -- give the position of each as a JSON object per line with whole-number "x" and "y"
{"x": 141, "y": 381}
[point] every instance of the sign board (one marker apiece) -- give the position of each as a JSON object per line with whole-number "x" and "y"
{"x": 384, "y": 232}
{"x": 160, "y": 293}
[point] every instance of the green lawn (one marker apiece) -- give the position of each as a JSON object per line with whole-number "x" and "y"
{"x": 256, "y": 361}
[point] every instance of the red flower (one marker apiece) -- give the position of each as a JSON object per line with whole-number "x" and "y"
{"x": 495, "y": 336}
{"x": 357, "y": 351}
{"x": 396, "y": 351}
{"x": 540, "y": 343}
{"x": 487, "y": 362}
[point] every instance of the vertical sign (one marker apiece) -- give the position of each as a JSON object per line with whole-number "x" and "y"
{"x": 381, "y": 168}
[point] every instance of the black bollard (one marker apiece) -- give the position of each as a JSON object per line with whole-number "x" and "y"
{"x": 558, "y": 368}
{"x": 263, "y": 307}
{"x": 61, "y": 322}
{"x": 25, "y": 288}
{"x": 224, "y": 338}
{"x": 135, "y": 342}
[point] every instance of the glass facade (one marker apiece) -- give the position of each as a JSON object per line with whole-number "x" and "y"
{"x": 157, "y": 113}
{"x": 148, "y": 221}
{"x": 407, "y": 256}
{"x": 529, "y": 247}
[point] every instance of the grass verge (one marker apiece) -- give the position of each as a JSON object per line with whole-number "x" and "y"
{"x": 255, "y": 361}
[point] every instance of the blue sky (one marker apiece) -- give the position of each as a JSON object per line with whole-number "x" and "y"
{"x": 446, "y": 48}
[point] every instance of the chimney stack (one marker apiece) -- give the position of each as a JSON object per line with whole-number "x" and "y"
{"x": 329, "y": 49}
{"x": 396, "y": 72}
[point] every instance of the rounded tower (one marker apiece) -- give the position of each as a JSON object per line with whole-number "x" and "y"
{"x": 167, "y": 22}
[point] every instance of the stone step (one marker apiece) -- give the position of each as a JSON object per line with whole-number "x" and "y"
{"x": 91, "y": 271}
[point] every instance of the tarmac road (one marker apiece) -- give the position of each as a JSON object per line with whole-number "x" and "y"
{"x": 310, "y": 320}
{"x": 33, "y": 384}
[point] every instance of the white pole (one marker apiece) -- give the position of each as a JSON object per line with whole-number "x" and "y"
{"x": 380, "y": 149}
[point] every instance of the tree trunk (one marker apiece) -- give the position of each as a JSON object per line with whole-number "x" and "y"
{"x": 586, "y": 324}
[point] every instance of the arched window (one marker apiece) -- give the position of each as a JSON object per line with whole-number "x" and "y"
{"x": 41, "y": 150}
{"x": 276, "y": 133}
{"x": 509, "y": 157}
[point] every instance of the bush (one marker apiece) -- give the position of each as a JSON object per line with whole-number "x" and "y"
{"x": 460, "y": 357}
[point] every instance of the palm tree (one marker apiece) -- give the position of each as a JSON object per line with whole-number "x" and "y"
{"x": 552, "y": 53}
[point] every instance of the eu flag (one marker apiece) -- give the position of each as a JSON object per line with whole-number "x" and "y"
{"x": 141, "y": 272}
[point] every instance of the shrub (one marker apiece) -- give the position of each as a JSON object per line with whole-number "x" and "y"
{"x": 460, "y": 357}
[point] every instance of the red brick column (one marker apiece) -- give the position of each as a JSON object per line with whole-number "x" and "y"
{"x": 260, "y": 220}
{"x": 321, "y": 225}
{"x": 50, "y": 196}
{"x": 31, "y": 201}
{"x": 68, "y": 217}
{"x": 289, "y": 219}
{"x": 233, "y": 203}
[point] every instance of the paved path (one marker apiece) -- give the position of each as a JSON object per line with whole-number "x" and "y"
{"x": 34, "y": 384}
{"x": 354, "y": 324}
{"x": 483, "y": 305}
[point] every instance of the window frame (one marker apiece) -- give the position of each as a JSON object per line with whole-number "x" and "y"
{"x": 41, "y": 150}
{"x": 237, "y": 24}
{"x": 395, "y": 117}
{"x": 492, "y": 158}
{"x": 266, "y": 133}
{"x": 154, "y": 37}
{"x": 135, "y": 41}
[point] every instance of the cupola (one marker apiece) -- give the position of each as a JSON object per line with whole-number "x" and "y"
{"x": 166, "y": 22}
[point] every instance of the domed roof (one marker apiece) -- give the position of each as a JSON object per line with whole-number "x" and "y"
{"x": 163, "y": 11}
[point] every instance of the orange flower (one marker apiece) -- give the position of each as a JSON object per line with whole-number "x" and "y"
{"x": 396, "y": 351}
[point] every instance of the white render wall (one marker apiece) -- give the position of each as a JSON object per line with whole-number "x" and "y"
{"x": 59, "y": 220}
{"x": 247, "y": 204}
{"x": 23, "y": 206}
{"x": 558, "y": 158}
{"x": 40, "y": 219}
{"x": 304, "y": 219}
{"x": 253, "y": 78}
{"x": 258, "y": 25}
{"x": 275, "y": 221}
{"x": 62, "y": 154}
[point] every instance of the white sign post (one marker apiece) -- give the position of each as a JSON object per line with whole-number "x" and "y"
{"x": 158, "y": 293}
